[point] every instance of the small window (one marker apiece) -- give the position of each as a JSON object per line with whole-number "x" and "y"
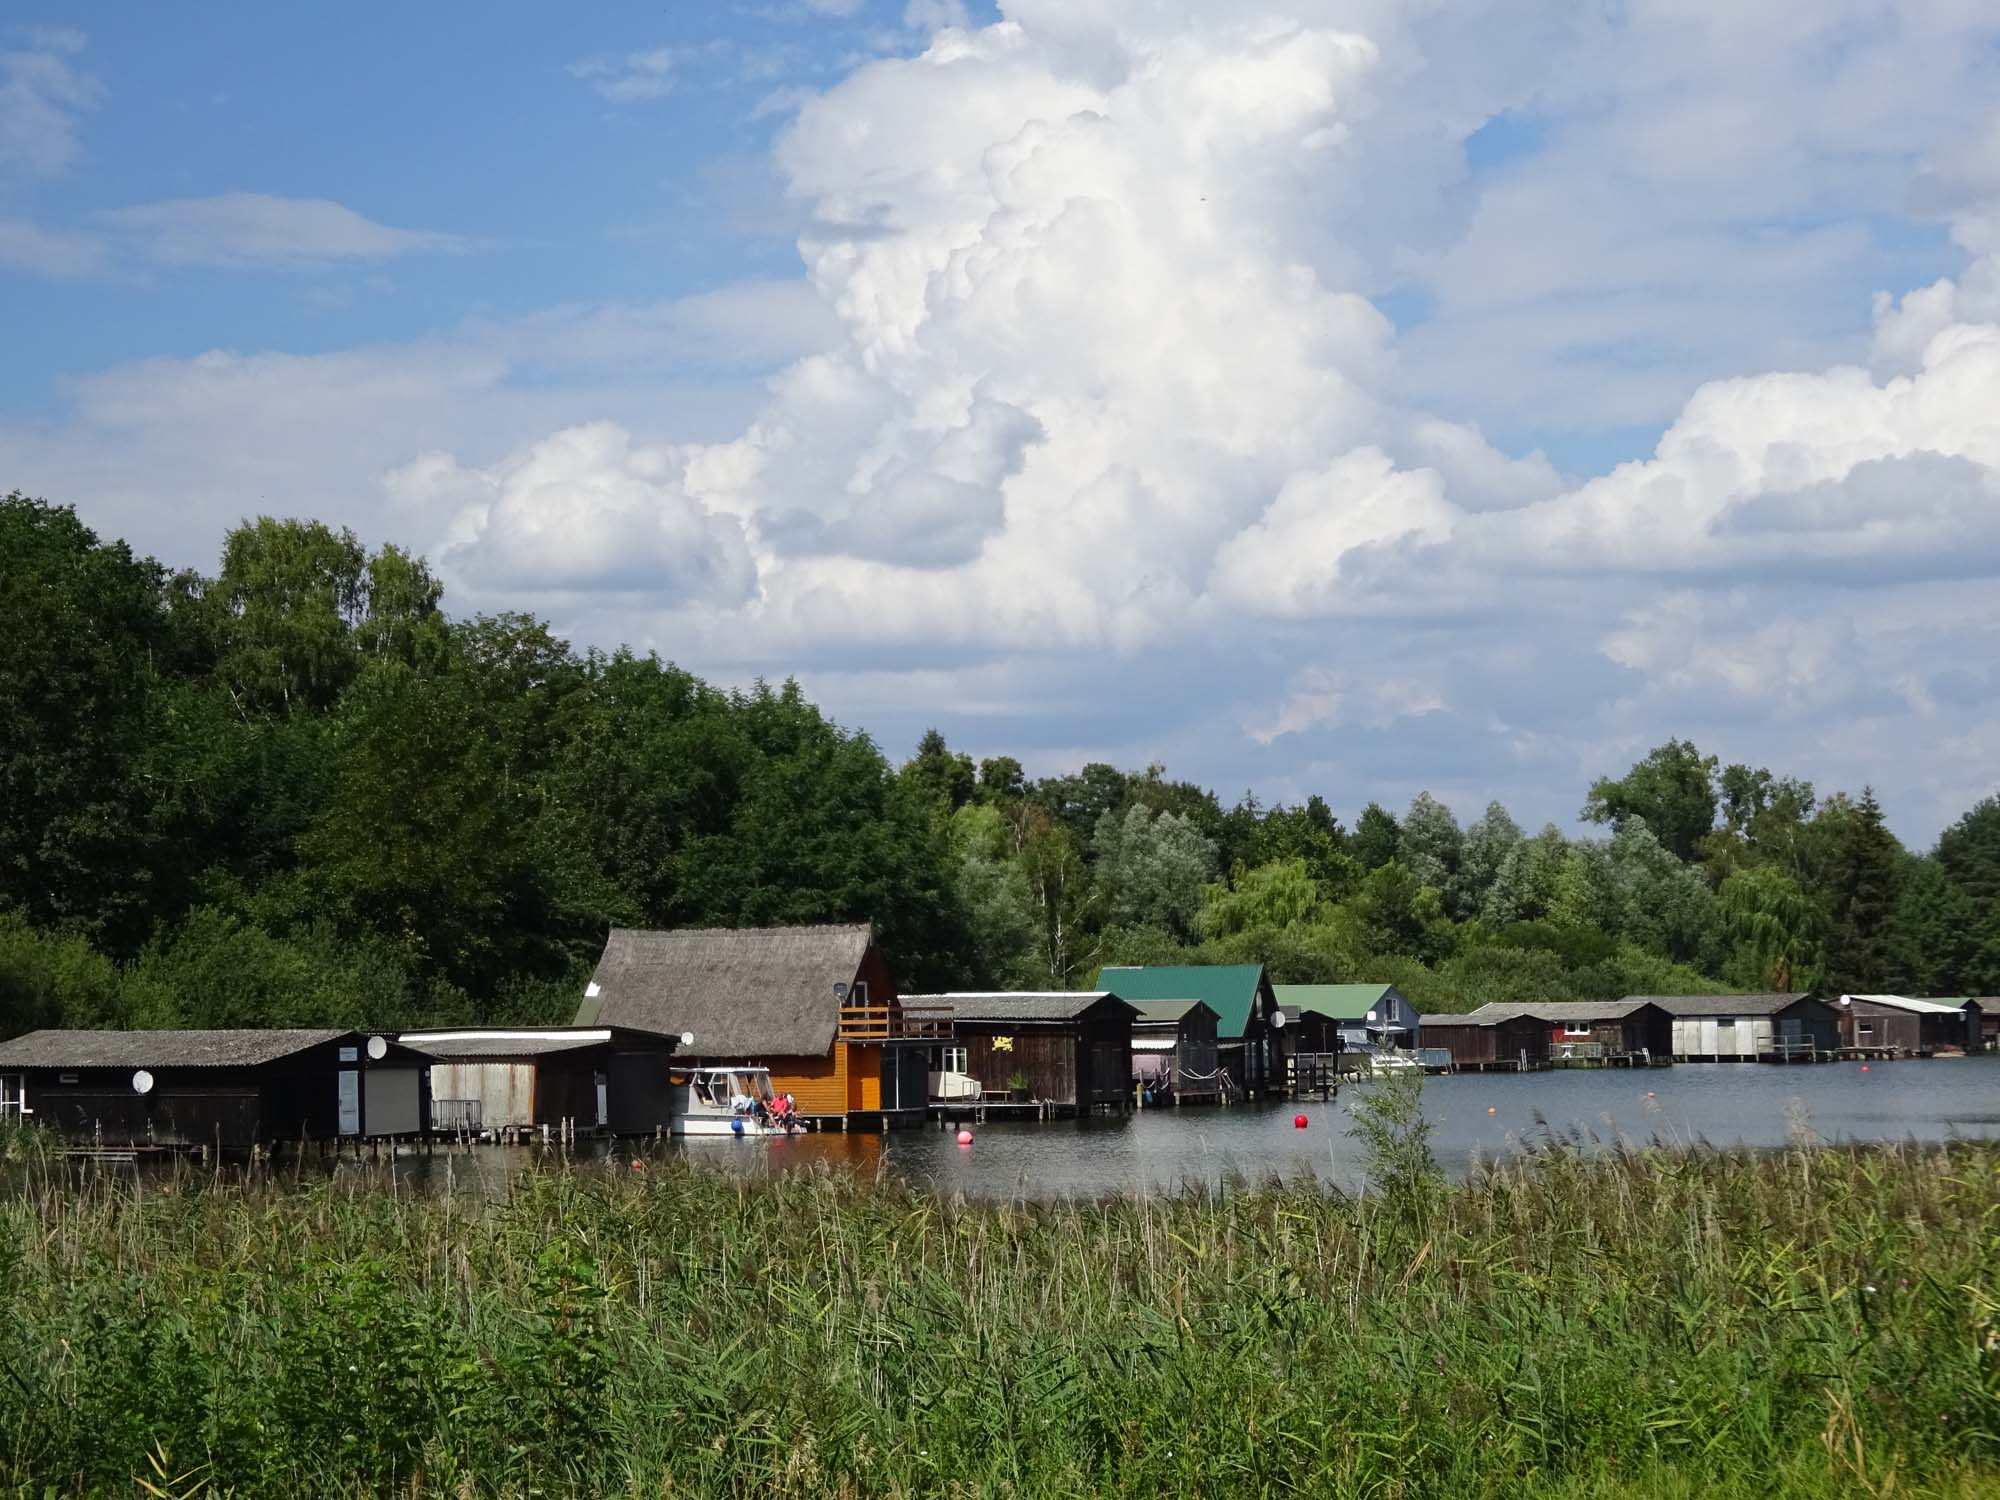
{"x": 949, "y": 1059}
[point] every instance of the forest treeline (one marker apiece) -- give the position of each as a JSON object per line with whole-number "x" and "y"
{"x": 299, "y": 792}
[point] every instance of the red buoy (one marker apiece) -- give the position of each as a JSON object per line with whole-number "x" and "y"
{"x": 1298, "y": 1122}
{"x": 1864, "y": 1067}
{"x": 965, "y": 1138}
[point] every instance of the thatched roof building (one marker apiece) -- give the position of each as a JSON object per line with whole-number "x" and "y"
{"x": 741, "y": 992}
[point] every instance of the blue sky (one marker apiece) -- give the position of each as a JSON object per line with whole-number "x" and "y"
{"x": 1352, "y": 396}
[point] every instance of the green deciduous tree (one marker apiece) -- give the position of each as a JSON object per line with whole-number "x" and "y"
{"x": 1673, "y": 789}
{"x": 1376, "y": 836}
{"x": 1150, "y": 869}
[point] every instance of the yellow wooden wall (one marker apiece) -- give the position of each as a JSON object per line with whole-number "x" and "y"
{"x": 818, "y": 1085}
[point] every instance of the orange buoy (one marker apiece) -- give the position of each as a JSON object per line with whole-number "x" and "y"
{"x": 1491, "y": 1110}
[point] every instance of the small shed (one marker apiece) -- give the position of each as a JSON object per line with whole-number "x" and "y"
{"x": 229, "y": 1089}
{"x": 1516, "y": 1039}
{"x": 1794, "y": 1026}
{"x": 498, "y": 1079}
{"x": 1909, "y": 1025}
{"x": 1071, "y": 1050}
{"x": 1173, "y": 1050}
{"x": 1248, "y": 1020}
{"x": 1620, "y": 1030}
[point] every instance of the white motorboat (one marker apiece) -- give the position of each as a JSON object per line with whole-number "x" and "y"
{"x": 1393, "y": 1062}
{"x": 952, "y": 1088}
{"x": 728, "y": 1101}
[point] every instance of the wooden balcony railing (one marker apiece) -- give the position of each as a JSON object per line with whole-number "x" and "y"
{"x": 895, "y": 1023}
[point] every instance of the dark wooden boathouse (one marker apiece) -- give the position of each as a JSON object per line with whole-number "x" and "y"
{"x": 229, "y": 1089}
{"x": 1911, "y": 1027}
{"x": 1174, "y": 1051}
{"x": 1071, "y": 1050}
{"x": 1593, "y": 1031}
{"x": 1499, "y": 1042}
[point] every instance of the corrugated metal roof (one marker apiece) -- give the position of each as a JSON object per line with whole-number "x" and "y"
{"x": 1561, "y": 1010}
{"x": 1723, "y": 1005}
{"x": 516, "y": 1042}
{"x": 1018, "y": 1005}
{"x": 159, "y": 1049}
{"x": 742, "y": 991}
{"x": 1919, "y": 1007}
{"x": 1227, "y": 989}
{"x": 1162, "y": 1010}
{"x": 1337, "y": 1002}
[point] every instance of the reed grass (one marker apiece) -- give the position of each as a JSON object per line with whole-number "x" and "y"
{"x": 1645, "y": 1322}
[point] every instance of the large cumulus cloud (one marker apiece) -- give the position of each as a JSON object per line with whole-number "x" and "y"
{"x": 1101, "y": 438}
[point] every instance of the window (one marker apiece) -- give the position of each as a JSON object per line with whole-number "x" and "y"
{"x": 1576, "y": 1032}
{"x": 14, "y": 1097}
{"x": 948, "y": 1059}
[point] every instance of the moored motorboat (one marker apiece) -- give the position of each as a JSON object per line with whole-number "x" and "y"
{"x": 729, "y": 1101}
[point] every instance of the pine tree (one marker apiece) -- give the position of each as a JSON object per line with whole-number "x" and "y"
{"x": 1860, "y": 891}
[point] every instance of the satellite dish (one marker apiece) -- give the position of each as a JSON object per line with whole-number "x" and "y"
{"x": 378, "y": 1048}
{"x": 687, "y": 1038}
{"x": 592, "y": 990}
{"x": 1371, "y": 1015}
{"x": 839, "y": 990}
{"x": 142, "y": 1082}
{"x": 1278, "y": 1019}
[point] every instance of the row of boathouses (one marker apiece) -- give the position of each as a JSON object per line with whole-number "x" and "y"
{"x": 818, "y": 1007}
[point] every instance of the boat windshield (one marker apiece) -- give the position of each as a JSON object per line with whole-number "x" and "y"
{"x": 757, "y": 1085}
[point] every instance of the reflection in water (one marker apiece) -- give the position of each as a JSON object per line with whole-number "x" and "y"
{"x": 1161, "y": 1150}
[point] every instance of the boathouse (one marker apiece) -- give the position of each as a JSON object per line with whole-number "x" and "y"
{"x": 233, "y": 1090}
{"x": 1504, "y": 1039}
{"x": 1067, "y": 1050}
{"x": 1173, "y": 1051}
{"x": 1917, "y": 1028}
{"x": 815, "y": 1005}
{"x": 1792, "y": 1027}
{"x": 1248, "y": 1020}
{"x": 1584, "y": 1031}
{"x": 565, "y": 1079}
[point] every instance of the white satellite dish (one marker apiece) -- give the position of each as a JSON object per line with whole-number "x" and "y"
{"x": 142, "y": 1082}
{"x": 378, "y": 1048}
{"x": 687, "y": 1039}
{"x": 1278, "y": 1019}
{"x": 592, "y": 990}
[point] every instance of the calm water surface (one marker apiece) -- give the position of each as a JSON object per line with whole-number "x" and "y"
{"x": 1474, "y": 1116}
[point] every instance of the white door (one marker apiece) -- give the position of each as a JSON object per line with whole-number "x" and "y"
{"x": 350, "y": 1102}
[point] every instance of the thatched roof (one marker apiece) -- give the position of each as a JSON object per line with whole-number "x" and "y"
{"x": 1722, "y": 1005}
{"x": 746, "y": 993}
{"x": 158, "y": 1049}
{"x": 1022, "y": 1006}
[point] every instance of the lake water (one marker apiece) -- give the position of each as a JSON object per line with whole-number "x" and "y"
{"x": 1473, "y": 1116}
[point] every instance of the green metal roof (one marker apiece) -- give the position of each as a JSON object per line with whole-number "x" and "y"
{"x": 1337, "y": 1002}
{"x": 1227, "y": 989}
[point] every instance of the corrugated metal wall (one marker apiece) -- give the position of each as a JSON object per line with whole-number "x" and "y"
{"x": 505, "y": 1090}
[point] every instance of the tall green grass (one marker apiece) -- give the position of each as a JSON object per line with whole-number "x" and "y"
{"x": 1812, "y": 1322}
